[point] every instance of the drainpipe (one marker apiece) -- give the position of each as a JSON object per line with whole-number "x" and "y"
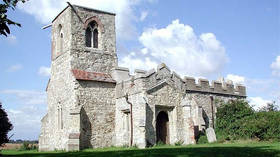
{"x": 131, "y": 120}
{"x": 212, "y": 110}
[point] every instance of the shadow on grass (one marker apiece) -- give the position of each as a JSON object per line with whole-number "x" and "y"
{"x": 263, "y": 151}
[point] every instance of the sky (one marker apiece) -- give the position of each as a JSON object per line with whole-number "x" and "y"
{"x": 238, "y": 40}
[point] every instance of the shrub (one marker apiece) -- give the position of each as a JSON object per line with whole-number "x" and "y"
{"x": 159, "y": 143}
{"x": 5, "y": 126}
{"x": 202, "y": 139}
{"x": 34, "y": 147}
{"x": 25, "y": 146}
{"x": 265, "y": 125}
{"x": 28, "y": 146}
{"x": 229, "y": 118}
{"x": 125, "y": 146}
{"x": 237, "y": 120}
{"x": 135, "y": 146}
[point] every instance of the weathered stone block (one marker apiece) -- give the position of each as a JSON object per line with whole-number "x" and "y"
{"x": 211, "y": 136}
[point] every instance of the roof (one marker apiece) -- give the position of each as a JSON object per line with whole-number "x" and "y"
{"x": 93, "y": 9}
{"x": 60, "y": 13}
{"x": 92, "y": 76}
{"x": 88, "y": 8}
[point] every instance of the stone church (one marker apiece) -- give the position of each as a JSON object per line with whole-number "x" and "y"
{"x": 94, "y": 103}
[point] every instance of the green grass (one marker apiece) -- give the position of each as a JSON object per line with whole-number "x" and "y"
{"x": 243, "y": 149}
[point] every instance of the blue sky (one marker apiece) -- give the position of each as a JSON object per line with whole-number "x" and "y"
{"x": 234, "y": 39}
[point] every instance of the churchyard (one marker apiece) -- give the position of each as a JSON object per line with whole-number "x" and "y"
{"x": 235, "y": 149}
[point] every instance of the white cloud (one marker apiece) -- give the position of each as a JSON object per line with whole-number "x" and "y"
{"x": 45, "y": 11}
{"x": 12, "y": 39}
{"x": 144, "y": 51}
{"x": 262, "y": 86}
{"x": 26, "y": 121}
{"x": 15, "y": 68}
{"x": 132, "y": 53}
{"x": 28, "y": 97}
{"x": 44, "y": 71}
{"x": 275, "y": 66}
{"x": 182, "y": 50}
{"x": 137, "y": 63}
{"x": 236, "y": 79}
{"x": 25, "y": 112}
{"x": 258, "y": 102}
{"x": 143, "y": 16}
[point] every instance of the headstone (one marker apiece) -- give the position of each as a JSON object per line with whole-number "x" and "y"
{"x": 211, "y": 136}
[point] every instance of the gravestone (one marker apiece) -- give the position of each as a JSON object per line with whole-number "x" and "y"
{"x": 211, "y": 136}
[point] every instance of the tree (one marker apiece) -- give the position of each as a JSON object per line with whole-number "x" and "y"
{"x": 5, "y": 126}
{"x": 237, "y": 120}
{"x": 4, "y": 20}
{"x": 271, "y": 106}
{"x": 230, "y": 118}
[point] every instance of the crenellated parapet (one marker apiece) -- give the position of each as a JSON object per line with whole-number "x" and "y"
{"x": 151, "y": 79}
{"x": 216, "y": 87}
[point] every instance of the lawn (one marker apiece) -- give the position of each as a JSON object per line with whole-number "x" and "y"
{"x": 201, "y": 150}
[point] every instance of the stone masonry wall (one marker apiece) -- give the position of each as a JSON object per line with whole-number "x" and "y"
{"x": 188, "y": 104}
{"x": 97, "y": 114}
{"x": 63, "y": 20}
{"x": 122, "y": 122}
{"x": 167, "y": 99}
{"x": 204, "y": 100}
{"x": 44, "y": 137}
{"x": 61, "y": 96}
{"x": 102, "y": 59}
{"x": 137, "y": 97}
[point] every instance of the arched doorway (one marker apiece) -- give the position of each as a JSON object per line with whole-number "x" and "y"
{"x": 162, "y": 127}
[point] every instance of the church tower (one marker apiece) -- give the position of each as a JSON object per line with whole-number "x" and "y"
{"x": 80, "y": 92}
{"x": 90, "y": 37}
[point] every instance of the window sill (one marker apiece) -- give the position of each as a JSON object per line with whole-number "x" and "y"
{"x": 92, "y": 48}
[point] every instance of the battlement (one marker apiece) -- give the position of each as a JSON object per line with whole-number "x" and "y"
{"x": 216, "y": 87}
{"x": 187, "y": 84}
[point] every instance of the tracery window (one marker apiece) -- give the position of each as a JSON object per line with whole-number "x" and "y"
{"x": 92, "y": 35}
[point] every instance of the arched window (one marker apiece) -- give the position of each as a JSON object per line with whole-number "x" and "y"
{"x": 60, "y": 40}
{"x": 92, "y": 35}
{"x": 95, "y": 38}
{"x": 59, "y": 117}
{"x": 88, "y": 37}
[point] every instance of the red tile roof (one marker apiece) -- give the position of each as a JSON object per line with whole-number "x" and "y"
{"x": 92, "y": 76}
